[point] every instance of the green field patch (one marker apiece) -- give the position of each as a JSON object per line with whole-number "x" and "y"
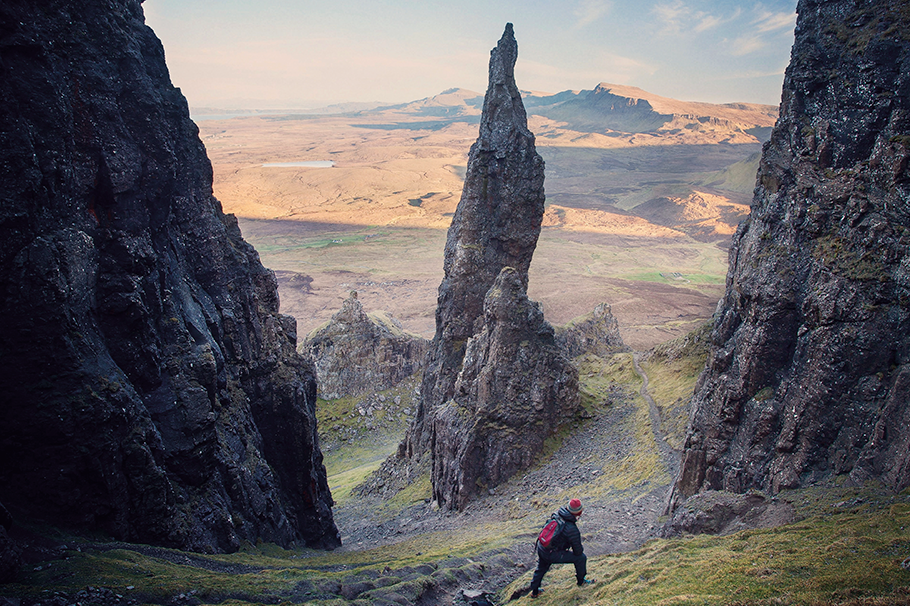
{"x": 674, "y": 278}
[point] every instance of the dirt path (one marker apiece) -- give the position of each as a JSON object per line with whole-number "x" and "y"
{"x": 669, "y": 455}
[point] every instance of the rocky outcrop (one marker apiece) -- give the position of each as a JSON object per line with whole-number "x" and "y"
{"x": 496, "y": 225}
{"x": 516, "y": 387}
{"x": 809, "y": 375}
{"x": 723, "y": 513}
{"x": 596, "y": 333}
{"x": 150, "y": 389}
{"x": 357, "y": 353}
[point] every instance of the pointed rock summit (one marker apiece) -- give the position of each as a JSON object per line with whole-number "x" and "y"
{"x": 496, "y": 225}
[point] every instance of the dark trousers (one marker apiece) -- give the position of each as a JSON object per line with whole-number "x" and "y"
{"x": 546, "y": 559}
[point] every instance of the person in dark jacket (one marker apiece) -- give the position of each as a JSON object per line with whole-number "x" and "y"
{"x": 559, "y": 552}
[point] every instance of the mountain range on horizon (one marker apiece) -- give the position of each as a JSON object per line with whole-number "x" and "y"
{"x": 605, "y": 109}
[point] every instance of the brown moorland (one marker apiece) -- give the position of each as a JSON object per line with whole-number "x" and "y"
{"x": 638, "y": 220}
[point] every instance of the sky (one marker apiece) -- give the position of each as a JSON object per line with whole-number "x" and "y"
{"x": 303, "y": 53}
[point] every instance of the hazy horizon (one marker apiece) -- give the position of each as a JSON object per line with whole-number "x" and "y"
{"x": 279, "y": 54}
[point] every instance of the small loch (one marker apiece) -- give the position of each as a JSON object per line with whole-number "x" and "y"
{"x": 304, "y": 164}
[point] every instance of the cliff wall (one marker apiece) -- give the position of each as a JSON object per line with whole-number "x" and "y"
{"x": 809, "y": 375}
{"x": 149, "y": 387}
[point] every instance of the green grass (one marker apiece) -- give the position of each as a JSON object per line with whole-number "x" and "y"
{"x": 845, "y": 549}
{"x": 673, "y": 369}
{"x": 670, "y": 277}
{"x": 354, "y": 444}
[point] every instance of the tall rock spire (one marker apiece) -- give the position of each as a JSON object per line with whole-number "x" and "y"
{"x": 496, "y": 224}
{"x": 495, "y": 230}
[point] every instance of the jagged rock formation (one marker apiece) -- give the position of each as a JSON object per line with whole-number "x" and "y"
{"x": 150, "y": 389}
{"x": 514, "y": 389}
{"x": 358, "y": 353}
{"x": 496, "y": 225}
{"x": 809, "y": 376}
{"x": 596, "y": 333}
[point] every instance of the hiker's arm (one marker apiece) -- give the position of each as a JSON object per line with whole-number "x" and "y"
{"x": 575, "y": 542}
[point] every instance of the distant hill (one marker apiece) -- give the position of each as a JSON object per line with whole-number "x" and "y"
{"x": 452, "y": 102}
{"x": 626, "y": 109}
{"x": 615, "y": 111}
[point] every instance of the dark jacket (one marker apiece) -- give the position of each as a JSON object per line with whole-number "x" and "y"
{"x": 570, "y": 537}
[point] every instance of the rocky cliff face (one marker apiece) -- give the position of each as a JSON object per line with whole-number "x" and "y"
{"x": 357, "y": 353}
{"x": 515, "y": 388}
{"x": 809, "y": 376}
{"x": 496, "y": 226}
{"x": 149, "y": 387}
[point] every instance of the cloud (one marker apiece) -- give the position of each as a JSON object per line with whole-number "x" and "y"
{"x": 601, "y": 67}
{"x": 676, "y": 17}
{"x": 671, "y": 15}
{"x": 745, "y": 45}
{"x": 770, "y": 22}
{"x": 764, "y": 26}
{"x": 708, "y": 22}
{"x": 589, "y": 11}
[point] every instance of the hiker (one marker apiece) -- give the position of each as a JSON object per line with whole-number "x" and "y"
{"x": 558, "y": 553}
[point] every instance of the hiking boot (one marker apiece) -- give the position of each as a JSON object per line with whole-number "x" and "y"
{"x": 586, "y": 582}
{"x": 536, "y": 592}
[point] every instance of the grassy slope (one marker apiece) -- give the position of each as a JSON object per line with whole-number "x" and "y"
{"x": 846, "y": 549}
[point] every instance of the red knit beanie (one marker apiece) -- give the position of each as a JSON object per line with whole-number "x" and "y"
{"x": 575, "y": 507}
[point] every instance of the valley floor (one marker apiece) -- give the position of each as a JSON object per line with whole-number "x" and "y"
{"x": 848, "y": 547}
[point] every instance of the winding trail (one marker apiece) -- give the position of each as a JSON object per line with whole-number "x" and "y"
{"x": 669, "y": 455}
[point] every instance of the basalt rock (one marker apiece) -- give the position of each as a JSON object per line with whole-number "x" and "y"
{"x": 357, "y": 353}
{"x": 596, "y": 333}
{"x": 149, "y": 387}
{"x": 516, "y": 387}
{"x": 496, "y": 224}
{"x": 809, "y": 376}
